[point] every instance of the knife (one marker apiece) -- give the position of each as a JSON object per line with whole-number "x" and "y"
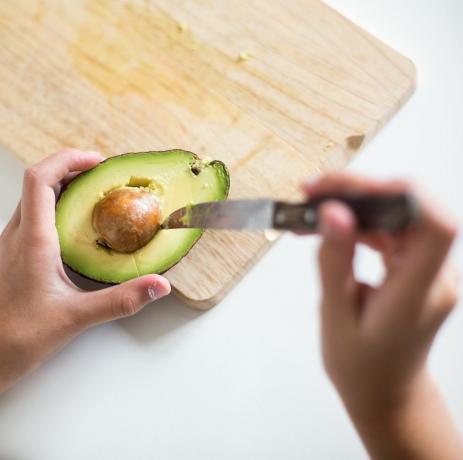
{"x": 391, "y": 213}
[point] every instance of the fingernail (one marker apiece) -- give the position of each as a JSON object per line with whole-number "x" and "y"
{"x": 155, "y": 292}
{"x": 94, "y": 152}
{"x": 152, "y": 292}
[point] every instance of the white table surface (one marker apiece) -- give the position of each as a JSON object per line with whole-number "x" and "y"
{"x": 244, "y": 380}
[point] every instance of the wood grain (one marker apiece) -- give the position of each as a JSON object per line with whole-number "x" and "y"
{"x": 126, "y": 75}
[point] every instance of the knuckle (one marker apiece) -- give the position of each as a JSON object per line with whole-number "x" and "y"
{"x": 125, "y": 305}
{"x": 32, "y": 175}
{"x": 68, "y": 151}
{"x": 35, "y": 239}
{"x": 334, "y": 178}
{"x": 405, "y": 186}
{"x": 443, "y": 229}
{"x": 67, "y": 155}
{"x": 73, "y": 155}
{"x": 450, "y": 299}
{"x": 449, "y": 229}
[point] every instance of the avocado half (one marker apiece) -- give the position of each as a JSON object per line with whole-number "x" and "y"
{"x": 176, "y": 177}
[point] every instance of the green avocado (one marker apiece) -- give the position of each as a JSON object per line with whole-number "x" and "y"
{"x": 175, "y": 178}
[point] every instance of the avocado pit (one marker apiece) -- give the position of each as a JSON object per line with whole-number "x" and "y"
{"x": 126, "y": 219}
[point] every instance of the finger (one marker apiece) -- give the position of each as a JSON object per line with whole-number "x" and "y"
{"x": 120, "y": 301}
{"x": 64, "y": 182}
{"x": 381, "y": 241}
{"x": 442, "y": 298}
{"x": 336, "y": 258}
{"x": 69, "y": 178}
{"x": 423, "y": 250}
{"x": 38, "y": 199}
{"x": 349, "y": 183}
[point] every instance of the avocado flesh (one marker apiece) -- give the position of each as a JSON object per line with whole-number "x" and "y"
{"x": 176, "y": 177}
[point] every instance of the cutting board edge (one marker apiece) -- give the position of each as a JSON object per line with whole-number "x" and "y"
{"x": 212, "y": 301}
{"x": 406, "y": 96}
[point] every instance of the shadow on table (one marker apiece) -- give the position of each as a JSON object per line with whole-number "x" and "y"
{"x": 11, "y": 176}
{"x": 158, "y": 319}
{"x": 155, "y": 320}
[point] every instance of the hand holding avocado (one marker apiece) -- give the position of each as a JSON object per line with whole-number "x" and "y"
{"x": 41, "y": 308}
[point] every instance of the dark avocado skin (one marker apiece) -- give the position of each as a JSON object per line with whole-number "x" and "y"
{"x": 195, "y": 157}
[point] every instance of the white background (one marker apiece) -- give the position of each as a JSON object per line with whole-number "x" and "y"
{"x": 244, "y": 380}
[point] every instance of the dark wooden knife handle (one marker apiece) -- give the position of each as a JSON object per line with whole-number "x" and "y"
{"x": 390, "y": 213}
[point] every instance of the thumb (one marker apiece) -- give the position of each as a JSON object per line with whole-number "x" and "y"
{"x": 122, "y": 300}
{"x": 337, "y": 227}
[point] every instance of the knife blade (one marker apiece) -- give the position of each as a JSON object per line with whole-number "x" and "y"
{"x": 391, "y": 213}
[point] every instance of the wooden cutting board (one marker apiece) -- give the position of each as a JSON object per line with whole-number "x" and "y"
{"x": 278, "y": 90}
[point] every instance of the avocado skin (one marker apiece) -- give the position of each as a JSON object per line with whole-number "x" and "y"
{"x": 215, "y": 163}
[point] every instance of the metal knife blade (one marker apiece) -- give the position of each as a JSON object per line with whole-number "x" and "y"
{"x": 231, "y": 214}
{"x": 373, "y": 212}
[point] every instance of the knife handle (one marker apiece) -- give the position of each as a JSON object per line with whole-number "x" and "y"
{"x": 390, "y": 213}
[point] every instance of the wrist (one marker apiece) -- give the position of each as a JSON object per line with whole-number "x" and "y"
{"x": 409, "y": 424}
{"x": 384, "y": 402}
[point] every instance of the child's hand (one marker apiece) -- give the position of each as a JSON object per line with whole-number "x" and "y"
{"x": 375, "y": 341}
{"x": 41, "y": 309}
